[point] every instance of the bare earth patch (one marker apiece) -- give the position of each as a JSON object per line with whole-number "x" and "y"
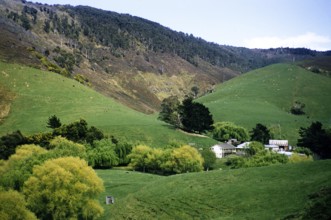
{"x": 192, "y": 134}
{"x": 6, "y": 97}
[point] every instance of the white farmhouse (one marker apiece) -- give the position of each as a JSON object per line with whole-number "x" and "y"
{"x": 222, "y": 149}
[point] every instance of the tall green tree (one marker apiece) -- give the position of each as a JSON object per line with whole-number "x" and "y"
{"x": 140, "y": 157}
{"x": 195, "y": 91}
{"x": 195, "y": 117}
{"x": 209, "y": 158}
{"x": 123, "y": 150}
{"x": 261, "y": 134}
{"x": 53, "y": 122}
{"x": 169, "y": 111}
{"x": 102, "y": 154}
{"x": 186, "y": 159}
{"x": 317, "y": 139}
{"x": 64, "y": 188}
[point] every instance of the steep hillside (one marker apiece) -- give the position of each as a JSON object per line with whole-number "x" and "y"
{"x": 32, "y": 96}
{"x": 320, "y": 65}
{"x": 273, "y": 192}
{"x": 266, "y": 96}
{"x": 136, "y": 61}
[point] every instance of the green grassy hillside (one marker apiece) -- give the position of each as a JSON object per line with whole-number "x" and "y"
{"x": 40, "y": 94}
{"x": 266, "y": 96}
{"x": 254, "y": 193}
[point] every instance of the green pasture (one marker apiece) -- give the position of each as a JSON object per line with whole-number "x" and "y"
{"x": 266, "y": 96}
{"x": 272, "y": 192}
{"x": 40, "y": 94}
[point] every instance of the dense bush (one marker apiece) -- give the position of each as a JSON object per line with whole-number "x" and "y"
{"x": 17, "y": 169}
{"x": 297, "y": 158}
{"x": 209, "y": 159}
{"x": 266, "y": 158}
{"x": 297, "y": 108}
{"x": 317, "y": 139}
{"x": 41, "y": 139}
{"x": 169, "y": 161}
{"x": 61, "y": 147}
{"x": 13, "y": 206}
{"x": 185, "y": 159}
{"x": 303, "y": 150}
{"x": 256, "y": 156}
{"x": 224, "y": 131}
{"x": 79, "y": 132}
{"x": 122, "y": 150}
{"x": 102, "y": 154}
{"x": 254, "y": 148}
{"x": 64, "y": 188}
{"x": 9, "y": 142}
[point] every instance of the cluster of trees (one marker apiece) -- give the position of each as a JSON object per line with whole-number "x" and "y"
{"x": 49, "y": 184}
{"x": 66, "y": 60}
{"x": 119, "y": 31}
{"x": 106, "y": 154}
{"x": 317, "y": 139}
{"x": 24, "y": 19}
{"x": 166, "y": 161}
{"x": 102, "y": 151}
{"x": 224, "y": 131}
{"x": 188, "y": 115}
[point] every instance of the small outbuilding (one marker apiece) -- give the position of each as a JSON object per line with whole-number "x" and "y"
{"x": 110, "y": 200}
{"x": 281, "y": 143}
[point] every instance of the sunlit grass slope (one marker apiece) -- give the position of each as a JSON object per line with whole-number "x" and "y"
{"x": 266, "y": 96}
{"x": 40, "y": 94}
{"x": 254, "y": 193}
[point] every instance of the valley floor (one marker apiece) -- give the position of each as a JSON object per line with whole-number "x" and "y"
{"x": 273, "y": 192}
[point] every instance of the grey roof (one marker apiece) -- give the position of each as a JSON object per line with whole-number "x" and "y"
{"x": 226, "y": 146}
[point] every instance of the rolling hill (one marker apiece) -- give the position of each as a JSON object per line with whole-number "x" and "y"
{"x": 273, "y": 192}
{"x": 136, "y": 61}
{"x": 266, "y": 96}
{"x": 31, "y": 96}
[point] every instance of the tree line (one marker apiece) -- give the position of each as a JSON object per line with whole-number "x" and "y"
{"x": 50, "y": 175}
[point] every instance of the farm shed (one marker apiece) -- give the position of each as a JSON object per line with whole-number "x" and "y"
{"x": 281, "y": 143}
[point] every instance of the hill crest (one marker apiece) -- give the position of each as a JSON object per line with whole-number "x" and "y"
{"x": 127, "y": 58}
{"x": 266, "y": 96}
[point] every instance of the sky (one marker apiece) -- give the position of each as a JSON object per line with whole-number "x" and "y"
{"x": 247, "y": 23}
